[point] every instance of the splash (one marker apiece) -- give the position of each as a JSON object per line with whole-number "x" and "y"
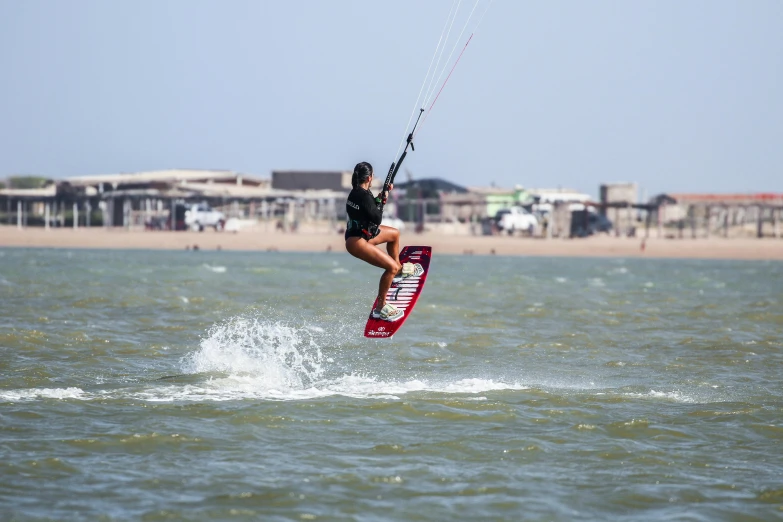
{"x": 258, "y": 352}
{"x": 255, "y": 357}
{"x": 261, "y": 356}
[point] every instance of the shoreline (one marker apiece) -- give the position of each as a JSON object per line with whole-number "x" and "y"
{"x": 255, "y": 239}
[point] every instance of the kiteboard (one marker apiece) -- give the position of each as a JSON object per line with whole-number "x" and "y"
{"x": 403, "y": 293}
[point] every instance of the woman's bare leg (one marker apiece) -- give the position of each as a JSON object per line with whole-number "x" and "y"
{"x": 369, "y": 253}
{"x": 390, "y": 236}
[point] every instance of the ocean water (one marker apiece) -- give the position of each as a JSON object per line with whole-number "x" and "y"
{"x": 147, "y": 385}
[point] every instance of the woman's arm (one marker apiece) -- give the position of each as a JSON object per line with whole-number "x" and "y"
{"x": 370, "y": 208}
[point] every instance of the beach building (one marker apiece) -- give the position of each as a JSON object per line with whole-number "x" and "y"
{"x": 435, "y": 201}
{"x": 478, "y": 202}
{"x": 339, "y": 180}
{"x": 293, "y": 197}
{"x": 27, "y": 206}
{"x": 452, "y": 208}
{"x": 544, "y": 199}
{"x": 500, "y": 199}
{"x": 555, "y": 208}
{"x": 619, "y": 203}
{"x": 428, "y": 200}
{"x": 726, "y": 215}
{"x": 138, "y": 199}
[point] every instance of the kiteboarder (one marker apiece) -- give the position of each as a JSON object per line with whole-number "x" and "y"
{"x": 364, "y": 232}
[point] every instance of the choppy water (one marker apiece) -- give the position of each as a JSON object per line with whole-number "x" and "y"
{"x": 238, "y": 386}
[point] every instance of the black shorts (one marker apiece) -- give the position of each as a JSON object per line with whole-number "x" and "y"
{"x": 357, "y": 232}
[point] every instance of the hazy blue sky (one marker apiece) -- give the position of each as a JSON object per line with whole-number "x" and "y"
{"x": 678, "y": 95}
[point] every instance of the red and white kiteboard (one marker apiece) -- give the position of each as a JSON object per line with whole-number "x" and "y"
{"x": 402, "y": 294}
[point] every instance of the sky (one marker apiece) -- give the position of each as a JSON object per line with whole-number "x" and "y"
{"x": 675, "y": 95}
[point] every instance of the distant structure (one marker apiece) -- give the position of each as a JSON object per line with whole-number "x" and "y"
{"x": 312, "y": 179}
{"x": 545, "y": 198}
{"x": 138, "y": 199}
{"x": 556, "y": 207}
{"x": 161, "y": 178}
{"x": 724, "y": 215}
{"x": 619, "y": 193}
{"x": 131, "y": 199}
{"x": 617, "y": 203}
{"x": 475, "y": 203}
{"x": 158, "y": 200}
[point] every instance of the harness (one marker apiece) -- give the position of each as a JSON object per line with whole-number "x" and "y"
{"x": 369, "y": 230}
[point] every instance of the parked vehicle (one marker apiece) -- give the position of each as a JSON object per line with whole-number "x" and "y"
{"x": 202, "y": 215}
{"x": 513, "y": 219}
{"x": 585, "y": 223}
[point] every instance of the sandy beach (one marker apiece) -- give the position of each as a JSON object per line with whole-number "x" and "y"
{"x": 258, "y": 239}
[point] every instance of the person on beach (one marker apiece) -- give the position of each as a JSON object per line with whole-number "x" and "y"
{"x": 364, "y": 232}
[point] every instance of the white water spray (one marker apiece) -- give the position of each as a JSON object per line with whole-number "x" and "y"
{"x": 273, "y": 355}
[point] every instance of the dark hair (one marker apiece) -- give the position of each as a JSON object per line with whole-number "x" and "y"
{"x": 361, "y": 173}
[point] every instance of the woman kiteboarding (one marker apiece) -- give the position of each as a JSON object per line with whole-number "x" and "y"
{"x": 364, "y": 232}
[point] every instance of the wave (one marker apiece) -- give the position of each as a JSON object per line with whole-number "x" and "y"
{"x": 235, "y": 387}
{"x": 42, "y": 393}
{"x": 353, "y": 386}
{"x": 260, "y": 356}
{"x": 216, "y": 268}
{"x": 252, "y": 357}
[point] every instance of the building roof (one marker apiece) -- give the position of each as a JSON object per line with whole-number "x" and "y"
{"x": 220, "y": 190}
{"x": 314, "y": 172}
{"x": 232, "y": 191}
{"x": 164, "y": 176}
{"x": 559, "y": 194}
{"x": 730, "y": 199}
{"x": 46, "y": 192}
{"x": 312, "y": 179}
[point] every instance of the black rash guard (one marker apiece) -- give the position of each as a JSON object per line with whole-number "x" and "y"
{"x": 364, "y": 214}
